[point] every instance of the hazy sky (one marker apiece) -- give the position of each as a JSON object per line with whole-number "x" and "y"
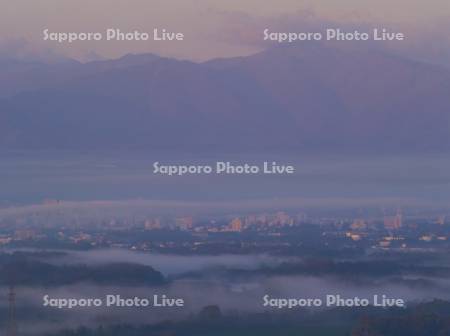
{"x": 212, "y": 27}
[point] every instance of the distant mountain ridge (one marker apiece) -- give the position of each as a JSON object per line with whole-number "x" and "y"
{"x": 308, "y": 96}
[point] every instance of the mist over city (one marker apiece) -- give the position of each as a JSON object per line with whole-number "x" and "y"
{"x": 224, "y": 168}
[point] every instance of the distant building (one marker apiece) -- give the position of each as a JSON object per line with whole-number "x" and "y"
{"x": 24, "y": 234}
{"x": 236, "y": 225}
{"x": 282, "y": 219}
{"x": 302, "y": 217}
{"x": 384, "y": 243}
{"x": 5, "y": 240}
{"x": 358, "y": 224}
{"x": 426, "y": 238}
{"x": 250, "y": 220}
{"x": 393, "y": 222}
{"x": 184, "y": 223}
{"x": 355, "y": 237}
{"x": 152, "y": 224}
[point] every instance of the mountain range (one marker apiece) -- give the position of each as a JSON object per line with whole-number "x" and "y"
{"x": 307, "y": 96}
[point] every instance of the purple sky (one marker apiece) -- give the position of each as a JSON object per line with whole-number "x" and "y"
{"x": 215, "y": 28}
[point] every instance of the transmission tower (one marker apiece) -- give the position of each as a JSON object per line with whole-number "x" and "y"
{"x": 12, "y": 326}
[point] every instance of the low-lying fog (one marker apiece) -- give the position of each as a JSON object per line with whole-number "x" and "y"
{"x": 243, "y": 294}
{"x": 169, "y": 264}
